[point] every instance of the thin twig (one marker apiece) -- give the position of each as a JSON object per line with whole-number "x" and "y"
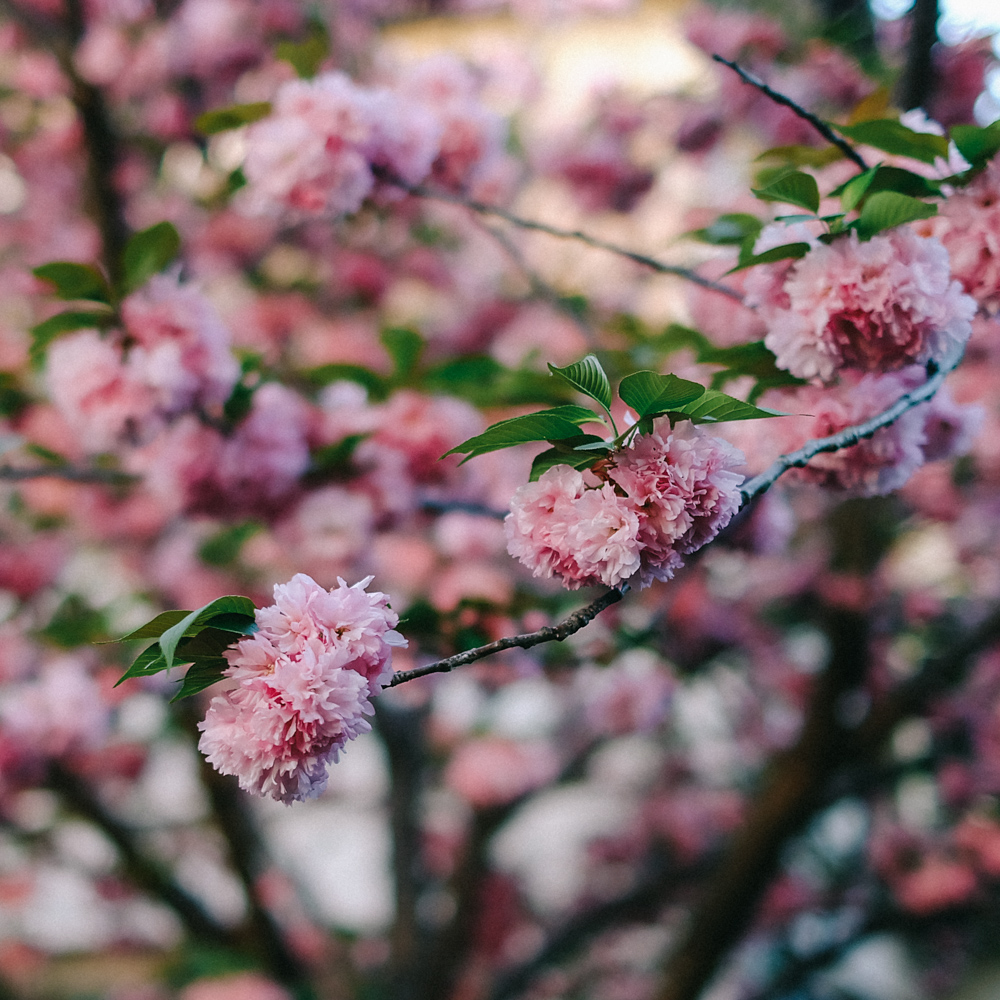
{"x": 551, "y": 633}
{"x": 482, "y": 208}
{"x": 849, "y": 435}
{"x": 540, "y": 288}
{"x": 68, "y": 472}
{"x": 817, "y": 123}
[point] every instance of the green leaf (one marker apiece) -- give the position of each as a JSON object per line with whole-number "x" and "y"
{"x": 649, "y": 393}
{"x": 376, "y": 385}
{"x": 856, "y": 188}
{"x": 233, "y": 116}
{"x": 795, "y": 188}
{"x": 156, "y": 627}
{"x": 42, "y": 334}
{"x": 753, "y": 359}
{"x": 240, "y": 403}
{"x": 210, "y": 640}
{"x": 802, "y": 156}
{"x": 223, "y": 548}
{"x": 231, "y": 621}
{"x": 715, "y": 407}
{"x": 306, "y": 56}
{"x": 200, "y": 675}
{"x": 887, "y": 209}
{"x": 13, "y": 399}
{"x": 788, "y": 251}
{"x": 563, "y": 455}
{"x": 405, "y": 347}
{"x": 75, "y": 623}
{"x": 334, "y": 460}
{"x": 882, "y": 178}
{"x": 148, "y": 252}
{"x": 731, "y": 229}
{"x": 188, "y": 625}
{"x": 589, "y": 377}
{"x": 546, "y": 425}
{"x": 75, "y": 281}
{"x": 892, "y": 137}
{"x": 150, "y": 661}
{"x": 977, "y": 145}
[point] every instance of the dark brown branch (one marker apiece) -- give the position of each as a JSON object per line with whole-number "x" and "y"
{"x": 753, "y": 487}
{"x": 551, "y": 633}
{"x": 261, "y": 936}
{"x": 70, "y": 473}
{"x": 656, "y": 881}
{"x": 101, "y": 144}
{"x": 401, "y": 730}
{"x": 482, "y": 208}
{"x": 790, "y": 796}
{"x": 917, "y": 82}
{"x": 786, "y": 102}
{"x": 144, "y": 872}
{"x": 800, "y": 785}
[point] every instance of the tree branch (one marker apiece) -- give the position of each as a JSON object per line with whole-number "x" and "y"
{"x": 917, "y": 82}
{"x": 790, "y": 796}
{"x": 655, "y": 881}
{"x": 401, "y": 731}
{"x": 145, "y": 872}
{"x": 70, "y": 473}
{"x": 482, "y": 208}
{"x": 786, "y": 102}
{"x": 849, "y": 435}
{"x": 551, "y": 633}
{"x": 247, "y": 855}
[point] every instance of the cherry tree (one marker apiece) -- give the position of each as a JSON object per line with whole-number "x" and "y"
{"x": 449, "y": 556}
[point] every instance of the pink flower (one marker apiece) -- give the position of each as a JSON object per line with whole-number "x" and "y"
{"x": 968, "y": 224}
{"x": 558, "y": 526}
{"x": 182, "y": 346}
{"x": 59, "y": 710}
{"x": 307, "y": 158}
{"x": 303, "y": 683}
{"x": 103, "y": 399}
{"x": 666, "y": 496}
{"x": 493, "y": 771}
{"x": 873, "y": 306}
{"x": 684, "y": 491}
{"x": 240, "y": 986}
{"x": 254, "y": 471}
{"x": 938, "y": 883}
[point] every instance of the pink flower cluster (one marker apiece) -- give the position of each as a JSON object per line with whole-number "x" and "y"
{"x": 940, "y": 428}
{"x": 968, "y": 224}
{"x": 192, "y": 467}
{"x": 661, "y": 498}
{"x": 302, "y": 687}
{"x": 874, "y": 306}
{"x": 172, "y": 355}
{"x": 318, "y": 152}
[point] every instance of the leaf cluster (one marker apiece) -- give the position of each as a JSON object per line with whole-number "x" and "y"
{"x": 198, "y": 638}
{"x": 146, "y": 253}
{"x": 880, "y": 197}
{"x": 649, "y": 394}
